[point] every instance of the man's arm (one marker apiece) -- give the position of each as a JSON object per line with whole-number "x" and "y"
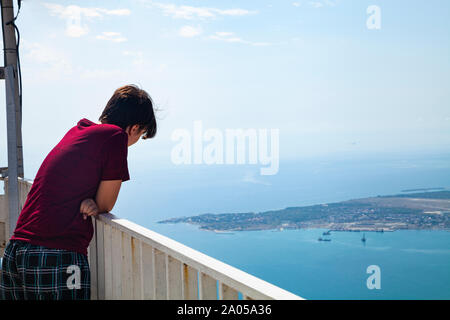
{"x": 107, "y": 194}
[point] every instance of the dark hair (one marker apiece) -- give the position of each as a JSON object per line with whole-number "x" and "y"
{"x": 128, "y": 106}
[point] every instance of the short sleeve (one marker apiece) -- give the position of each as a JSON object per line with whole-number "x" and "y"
{"x": 114, "y": 158}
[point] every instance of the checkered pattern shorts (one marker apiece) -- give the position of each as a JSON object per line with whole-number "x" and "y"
{"x": 31, "y": 272}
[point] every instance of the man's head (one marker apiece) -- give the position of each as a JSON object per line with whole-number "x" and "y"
{"x": 131, "y": 109}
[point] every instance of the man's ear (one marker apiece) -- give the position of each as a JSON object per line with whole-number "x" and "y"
{"x": 135, "y": 128}
{"x": 131, "y": 129}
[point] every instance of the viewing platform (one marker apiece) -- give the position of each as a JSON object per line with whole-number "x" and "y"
{"x": 128, "y": 261}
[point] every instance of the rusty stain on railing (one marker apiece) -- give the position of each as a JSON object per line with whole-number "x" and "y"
{"x": 186, "y": 281}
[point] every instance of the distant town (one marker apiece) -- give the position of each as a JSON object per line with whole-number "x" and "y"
{"x": 425, "y": 210}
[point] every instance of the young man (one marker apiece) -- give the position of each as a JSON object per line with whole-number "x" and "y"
{"x": 46, "y": 258}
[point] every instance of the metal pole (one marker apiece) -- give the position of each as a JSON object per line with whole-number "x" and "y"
{"x": 10, "y": 59}
{"x": 13, "y": 112}
{"x": 13, "y": 186}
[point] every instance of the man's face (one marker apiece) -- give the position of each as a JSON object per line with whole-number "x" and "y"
{"x": 134, "y": 134}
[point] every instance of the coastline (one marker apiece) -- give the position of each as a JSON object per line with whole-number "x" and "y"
{"x": 416, "y": 211}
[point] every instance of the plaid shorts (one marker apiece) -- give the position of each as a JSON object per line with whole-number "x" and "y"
{"x": 31, "y": 272}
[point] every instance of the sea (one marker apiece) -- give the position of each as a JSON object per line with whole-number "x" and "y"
{"x": 410, "y": 264}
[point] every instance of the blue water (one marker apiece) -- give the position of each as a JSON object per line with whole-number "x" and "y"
{"x": 413, "y": 264}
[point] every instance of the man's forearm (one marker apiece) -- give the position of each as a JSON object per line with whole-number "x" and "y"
{"x": 107, "y": 194}
{"x": 103, "y": 208}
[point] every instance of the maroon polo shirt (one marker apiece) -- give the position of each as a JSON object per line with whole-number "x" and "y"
{"x": 71, "y": 172}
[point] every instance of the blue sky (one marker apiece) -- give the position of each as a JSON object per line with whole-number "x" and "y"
{"x": 312, "y": 69}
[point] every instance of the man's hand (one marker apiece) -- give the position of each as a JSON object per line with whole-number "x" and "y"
{"x": 88, "y": 208}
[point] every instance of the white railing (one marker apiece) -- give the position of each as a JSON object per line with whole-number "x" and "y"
{"x": 136, "y": 263}
{"x": 128, "y": 261}
{"x": 24, "y": 188}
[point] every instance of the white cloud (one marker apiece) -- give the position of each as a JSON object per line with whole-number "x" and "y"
{"x": 234, "y": 12}
{"x": 72, "y": 11}
{"x": 224, "y": 34}
{"x": 190, "y": 12}
{"x": 331, "y": 3}
{"x": 189, "y": 31}
{"x": 316, "y": 4}
{"x": 323, "y": 3}
{"x": 45, "y": 63}
{"x": 73, "y": 15}
{"x": 111, "y": 36}
{"x": 76, "y": 31}
{"x": 230, "y": 37}
{"x": 117, "y": 12}
{"x": 296, "y": 4}
{"x": 39, "y": 54}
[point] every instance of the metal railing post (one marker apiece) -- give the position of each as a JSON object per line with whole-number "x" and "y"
{"x": 13, "y": 186}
